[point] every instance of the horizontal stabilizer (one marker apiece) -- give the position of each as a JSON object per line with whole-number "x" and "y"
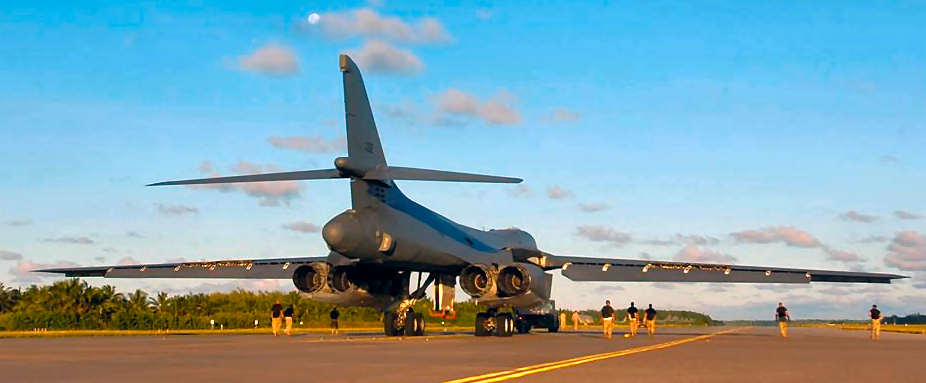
{"x": 414, "y": 174}
{"x": 286, "y": 176}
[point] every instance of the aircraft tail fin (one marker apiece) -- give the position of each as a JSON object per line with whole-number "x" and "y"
{"x": 363, "y": 145}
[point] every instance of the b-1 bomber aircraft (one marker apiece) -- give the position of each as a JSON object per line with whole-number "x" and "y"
{"x": 385, "y": 237}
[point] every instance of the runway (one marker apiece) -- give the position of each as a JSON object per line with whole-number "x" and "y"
{"x": 714, "y": 354}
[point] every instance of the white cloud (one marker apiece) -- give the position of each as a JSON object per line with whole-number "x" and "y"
{"x": 269, "y": 193}
{"x": 593, "y": 207}
{"x": 901, "y": 214}
{"x": 302, "y": 227}
{"x": 598, "y": 233}
{"x": 701, "y": 255}
{"x": 380, "y": 57}
{"x": 557, "y": 192}
{"x": 682, "y": 239}
{"x": 22, "y": 271}
{"x": 496, "y": 111}
{"x": 841, "y": 256}
{"x": 125, "y": 261}
{"x": 521, "y": 191}
{"x": 70, "y": 240}
{"x": 271, "y": 59}
{"x": 10, "y": 256}
{"x": 18, "y": 222}
{"x": 368, "y": 23}
{"x": 563, "y": 115}
{"x": 784, "y": 234}
{"x": 907, "y": 251}
{"x": 176, "y": 210}
{"x": 853, "y": 215}
{"x": 309, "y": 144}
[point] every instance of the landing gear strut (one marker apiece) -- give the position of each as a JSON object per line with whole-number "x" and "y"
{"x": 494, "y": 323}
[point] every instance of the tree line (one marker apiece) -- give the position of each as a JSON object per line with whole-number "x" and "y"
{"x": 73, "y": 304}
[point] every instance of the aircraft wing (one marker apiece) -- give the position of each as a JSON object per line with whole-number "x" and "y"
{"x": 280, "y": 268}
{"x": 636, "y": 270}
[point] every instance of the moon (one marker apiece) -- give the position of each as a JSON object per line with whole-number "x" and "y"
{"x": 313, "y": 18}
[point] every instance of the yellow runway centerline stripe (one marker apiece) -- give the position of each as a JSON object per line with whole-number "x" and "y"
{"x": 537, "y": 368}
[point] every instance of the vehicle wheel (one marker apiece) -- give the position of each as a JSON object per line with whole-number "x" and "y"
{"x": 483, "y": 327}
{"x": 419, "y": 324}
{"x": 554, "y": 327}
{"x": 504, "y": 325}
{"x": 411, "y": 325}
{"x": 393, "y": 325}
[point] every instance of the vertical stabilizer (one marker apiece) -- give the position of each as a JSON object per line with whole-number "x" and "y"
{"x": 363, "y": 146}
{"x": 364, "y": 150}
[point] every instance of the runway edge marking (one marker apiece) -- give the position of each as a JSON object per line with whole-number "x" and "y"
{"x": 549, "y": 366}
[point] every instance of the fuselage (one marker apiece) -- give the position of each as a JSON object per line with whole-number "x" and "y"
{"x": 391, "y": 230}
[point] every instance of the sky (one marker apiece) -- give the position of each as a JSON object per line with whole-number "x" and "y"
{"x": 763, "y": 133}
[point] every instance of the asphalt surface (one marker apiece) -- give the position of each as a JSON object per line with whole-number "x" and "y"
{"x": 756, "y": 354}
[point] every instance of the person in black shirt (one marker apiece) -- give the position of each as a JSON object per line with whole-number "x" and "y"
{"x": 288, "y": 318}
{"x": 632, "y": 319}
{"x": 875, "y": 316}
{"x": 276, "y": 317}
{"x": 334, "y": 314}
{"x": 650, "y": 317}
{"x": 607, "y": 319}
{"x": 782, "y": 315}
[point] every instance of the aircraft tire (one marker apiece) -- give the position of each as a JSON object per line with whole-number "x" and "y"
{"x": 419, "y": 324}
{"x": 481, "y": 325}
{"x": 411, "y": 325}
{"x": 504, "y": 325}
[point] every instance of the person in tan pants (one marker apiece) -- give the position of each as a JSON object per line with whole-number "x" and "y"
{"x": 875, "y": 316}
{"x": 607, "y": 319}
{"x": 276, "y": 317}
{"x": 782, "y": 315}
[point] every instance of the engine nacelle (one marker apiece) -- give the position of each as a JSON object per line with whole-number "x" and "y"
{"x": 522, "y": 278}
{"x": 347, "y": 285}
{"x": 312, "y": 278}
{"x": 479, "y": 280}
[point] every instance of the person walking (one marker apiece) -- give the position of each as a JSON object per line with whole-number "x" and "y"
{"x": 288, "y": 320}
{"x": 276, "y": 317}
{"x": 875, "y": 316}
{"x": 607, "y": 319}
{"x": 575, "y": 321}
{"x": 334, "y": 314}
{"x": 782, "y": 315}
{"x": 632, "y": 319}
{"x": 649, "y": 315}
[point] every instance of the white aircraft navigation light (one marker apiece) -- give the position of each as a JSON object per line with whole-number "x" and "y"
{"x": 605, "y": 267}
{"x": 726, "y": 271}
{"x": 768, "y": 273}
{"x": 686, "y": 269}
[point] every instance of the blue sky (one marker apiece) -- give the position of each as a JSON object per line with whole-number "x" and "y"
{"x": 785, "y": 133}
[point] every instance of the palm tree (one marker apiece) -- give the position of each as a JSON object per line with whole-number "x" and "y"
{"x": 139, "y": 300}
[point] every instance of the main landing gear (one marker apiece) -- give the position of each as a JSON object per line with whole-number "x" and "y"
{"x": 494, "y": 323}
{"x": 408, "y": 323}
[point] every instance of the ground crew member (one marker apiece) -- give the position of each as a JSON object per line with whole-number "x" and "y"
{"x": 632, "y": 319}
{"x": 875, "y": 315}
{"x": 288, "y": 320}
{"x": 334, "y": 314}
{"x": 575, "y": 321}
{"x": 276, "y": 317}
{"x": 650, "y": 317}
{"x": 782, "y": 315}
{"x": 607, "y": 319}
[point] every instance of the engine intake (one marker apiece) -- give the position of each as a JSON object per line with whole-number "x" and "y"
{"x": 311, "y": 278}
{"x": 478, "y": 280}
